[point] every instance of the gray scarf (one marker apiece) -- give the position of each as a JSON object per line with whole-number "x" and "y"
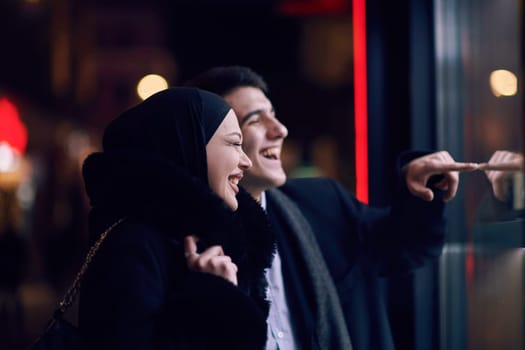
{"x": 330, "y": 327}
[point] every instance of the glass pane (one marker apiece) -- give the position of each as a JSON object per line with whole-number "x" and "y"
{"x": 480, "y": 116}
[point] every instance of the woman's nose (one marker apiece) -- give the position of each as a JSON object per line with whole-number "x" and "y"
{"x": 244, "y": 162}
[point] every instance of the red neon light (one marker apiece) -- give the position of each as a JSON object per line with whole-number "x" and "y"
{"x": 360, "y": 99}
{"x": 12, "y": 130}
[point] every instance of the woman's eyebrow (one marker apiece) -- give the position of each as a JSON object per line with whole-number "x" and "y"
{"x": 234, "y": 133}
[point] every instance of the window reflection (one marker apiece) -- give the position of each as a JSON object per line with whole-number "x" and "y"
{"x": 480, "y": 117}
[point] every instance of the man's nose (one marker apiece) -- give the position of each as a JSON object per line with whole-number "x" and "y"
{"x": 276, "y": 129}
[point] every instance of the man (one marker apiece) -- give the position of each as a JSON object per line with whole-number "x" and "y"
{"x": 331, "y": 248}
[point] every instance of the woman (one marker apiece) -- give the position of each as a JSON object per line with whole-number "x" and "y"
{"x": 183, "y": 270}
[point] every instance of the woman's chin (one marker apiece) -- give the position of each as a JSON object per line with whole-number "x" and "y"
{"x": 231, "y": 203}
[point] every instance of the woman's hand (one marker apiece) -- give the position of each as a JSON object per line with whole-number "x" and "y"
{"x": 212, "y": 260}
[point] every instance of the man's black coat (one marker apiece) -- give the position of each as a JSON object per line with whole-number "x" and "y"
{"x": 359, "y": 244}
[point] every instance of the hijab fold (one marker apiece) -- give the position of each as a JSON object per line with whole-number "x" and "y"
{"x": 174, "y": 124}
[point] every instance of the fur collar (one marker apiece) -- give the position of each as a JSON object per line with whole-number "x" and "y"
{"x": 166, "y": 197}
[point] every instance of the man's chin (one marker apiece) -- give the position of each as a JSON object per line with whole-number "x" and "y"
{"x": 275, "y": 179}
{"x": 263, "y": 183}
{"x": 279, "y": 181}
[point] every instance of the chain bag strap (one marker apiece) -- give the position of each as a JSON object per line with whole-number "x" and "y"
{"x": 60, "y": 334}
{"x": 72, "y": 292}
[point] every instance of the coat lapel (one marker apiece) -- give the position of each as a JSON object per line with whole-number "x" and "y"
{"x": 330, "y": 327}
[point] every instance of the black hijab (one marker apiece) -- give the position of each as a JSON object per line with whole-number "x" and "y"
{"x": 154, "y": 157}
{"x": 174, "y": 124}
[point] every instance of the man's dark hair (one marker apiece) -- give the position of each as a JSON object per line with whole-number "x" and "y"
{"x": 223, "y": 80}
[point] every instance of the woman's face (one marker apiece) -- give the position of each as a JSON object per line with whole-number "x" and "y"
{"x": 226, "y": 160}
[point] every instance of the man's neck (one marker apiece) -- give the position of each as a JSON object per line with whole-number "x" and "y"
{"x": 256, "y": 195}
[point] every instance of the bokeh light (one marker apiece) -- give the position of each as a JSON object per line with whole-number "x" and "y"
{"x": 503, "y": 83}
{"x": 151, "y": 84}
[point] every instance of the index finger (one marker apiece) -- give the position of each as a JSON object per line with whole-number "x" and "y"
{"x": 456, "y": 166}
{"x": 501, "y": 166}
{"x": 190, "y": 245}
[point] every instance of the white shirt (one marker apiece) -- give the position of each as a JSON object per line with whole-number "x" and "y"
{"x": 280, "y": 333}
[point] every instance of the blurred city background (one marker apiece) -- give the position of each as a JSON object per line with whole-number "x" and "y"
{"x": 68, "y": 67}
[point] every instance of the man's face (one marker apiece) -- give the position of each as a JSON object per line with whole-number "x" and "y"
{"x": 263, "y": 138}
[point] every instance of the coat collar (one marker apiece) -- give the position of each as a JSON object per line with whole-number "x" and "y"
{"x": 168, "y": 198}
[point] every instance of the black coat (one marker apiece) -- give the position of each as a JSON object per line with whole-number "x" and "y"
{"x": 359, "y": 244}
{"x": 138, "y": 292}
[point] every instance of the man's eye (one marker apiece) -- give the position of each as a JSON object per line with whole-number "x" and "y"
{"x": 254, "y": 121}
